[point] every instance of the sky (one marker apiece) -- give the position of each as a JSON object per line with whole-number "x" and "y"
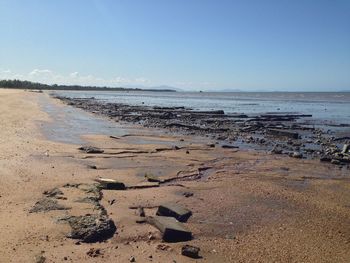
{"x": 284, "y": 45}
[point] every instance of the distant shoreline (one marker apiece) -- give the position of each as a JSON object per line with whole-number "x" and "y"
{"x": 19, "y": 84}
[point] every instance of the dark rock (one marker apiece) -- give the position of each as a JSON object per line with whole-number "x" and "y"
{"x": 89, "y": 199}
{"x": 190, "y": 251}
{"x": 53, "y": 192}
{"x": 141, "y": 220}
{"x": 296, "y": 155}
{"x": 143, "y": 185}
{"x": 153, "y": 178}
{"x": 110, "y": 184}
{"x": 171, "y": 229}
{"x": 326, "y": 158}
{"x": 187, "y": 194}
{"x": 91, "y": 228}
{"x": 40, "y": 259}
{"x": 47, "y": 204}
{"x": 346, "y": 148}
{"x": 90, "y": 149}
{"x": 283, "y": 133}
{"x": 277, "y": 150}
{"x": 227, "y": 146}
{"x": 132, "y": 259}
{"x": 211, "y": 145}
{"x": 336, "y": 162}
{"x": 140, "y": 211}
{"x": 94, "y": 252}
{"x": 174, "y": 210}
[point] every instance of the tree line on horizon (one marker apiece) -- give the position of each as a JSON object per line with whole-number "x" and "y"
{"x": 24, "y": 84}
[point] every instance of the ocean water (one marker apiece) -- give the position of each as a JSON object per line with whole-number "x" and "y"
{"x": 327, "y": 107}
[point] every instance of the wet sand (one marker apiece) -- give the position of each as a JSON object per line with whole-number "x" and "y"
{"x": 247, "y": 206}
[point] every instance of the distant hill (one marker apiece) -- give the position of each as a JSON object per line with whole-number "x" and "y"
{"x": 23, "y": 84}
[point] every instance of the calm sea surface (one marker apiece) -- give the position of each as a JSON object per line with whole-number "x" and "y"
{"x": 332, "y": 108}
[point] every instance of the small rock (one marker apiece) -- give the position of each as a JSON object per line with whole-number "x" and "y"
{"x": 296, "y": 155}
{"x": 110, "y": 184}
{"x": 346, "y": 148}
{"x": 325, "y": 158}
{"x": 187, "y": 194}
{"x": 132, "y": 259}
{"x": 336, "y": 162}
{"x": 163, "y": 247}
{"x": 190, "y": 251}
{"x": 90, "y": 149}
{"x": 140, "y": 211}
{"x": 276, "y": 150}
{"x": 228, "y": 146}
{"x": 94, "y": 252}
{"x": 152, "y": 178}
{"x": 40, "y": 259}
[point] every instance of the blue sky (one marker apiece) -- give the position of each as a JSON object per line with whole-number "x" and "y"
{"x": 299, "y": 45}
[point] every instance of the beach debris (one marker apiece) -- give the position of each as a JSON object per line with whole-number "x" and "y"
{"x": 174, "y": 210}
{"x": 47, "y": 204}
{"x": 90, "y": 149}
{"x": 110, "y": 184}
{"x": 171, "y": 229}
{"x": 90, "y": 228}
{"x": 152, "y": 178}
{"x": 190, "y": 251}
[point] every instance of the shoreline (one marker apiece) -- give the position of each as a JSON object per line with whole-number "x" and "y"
{"x": 278, "y": 133}
{"x": 246, "y": 205}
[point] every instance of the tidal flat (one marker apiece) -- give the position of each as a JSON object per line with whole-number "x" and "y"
{"x": 103, "y": 183}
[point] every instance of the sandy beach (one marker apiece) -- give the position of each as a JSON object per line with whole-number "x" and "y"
{"x": 247, "y": 206}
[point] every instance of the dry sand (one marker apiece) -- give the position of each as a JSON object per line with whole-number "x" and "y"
{"x": 248, "y": 207}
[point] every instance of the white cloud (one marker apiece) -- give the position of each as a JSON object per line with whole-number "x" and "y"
{"x": 38, "y": 72}
{"x": 74, "y": 74}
